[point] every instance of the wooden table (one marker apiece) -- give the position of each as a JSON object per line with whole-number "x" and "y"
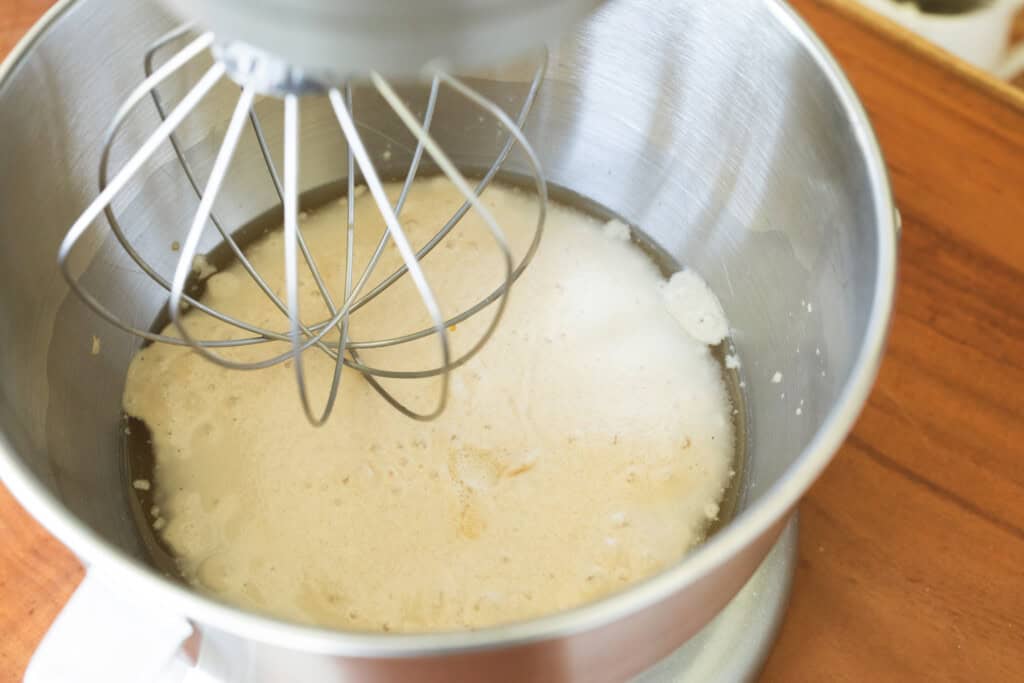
{"x": 912, "y": 543}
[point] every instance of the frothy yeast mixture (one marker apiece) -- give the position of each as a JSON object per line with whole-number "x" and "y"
{"x": 586, "y": 446}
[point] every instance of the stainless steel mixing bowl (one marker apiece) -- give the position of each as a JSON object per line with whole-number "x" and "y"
{"x": 723, "y": 129}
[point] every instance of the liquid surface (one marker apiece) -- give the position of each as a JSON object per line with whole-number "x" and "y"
{"x": 588, "y": 445}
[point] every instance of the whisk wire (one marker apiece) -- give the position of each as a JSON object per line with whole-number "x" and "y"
{"x": 121, "y": 179}
{"x": 236, "y": 250}
{"x": 482, "y": 185}
{"x": 401, "y": 241}
{"x": 515, "y": 136}
{"x": 291, "y": 274}
{"x": 199, "y": 221}
{"x": 266, "y": 335}
{"x": 402, "y": 196}
{"x": 457, "y": 179}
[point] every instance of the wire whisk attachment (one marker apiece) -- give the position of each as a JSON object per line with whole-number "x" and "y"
{"x": 259, "y": 74}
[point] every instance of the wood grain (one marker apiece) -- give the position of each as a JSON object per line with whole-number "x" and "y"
{"x": 912, "y": 543}
{"x": 37, "y": 575}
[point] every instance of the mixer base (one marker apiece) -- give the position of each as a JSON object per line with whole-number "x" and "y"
{"x": 733, "y": 647}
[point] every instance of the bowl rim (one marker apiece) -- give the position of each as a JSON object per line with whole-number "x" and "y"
{"x": 773, "y": 505}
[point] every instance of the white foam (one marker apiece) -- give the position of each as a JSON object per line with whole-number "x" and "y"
{"x": 590, "y": 415}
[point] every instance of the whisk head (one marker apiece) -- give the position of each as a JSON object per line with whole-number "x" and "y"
{"x": 258, "y": 73}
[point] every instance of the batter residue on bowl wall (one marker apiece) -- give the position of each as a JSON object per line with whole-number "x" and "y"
{"x": 588, "y": 445}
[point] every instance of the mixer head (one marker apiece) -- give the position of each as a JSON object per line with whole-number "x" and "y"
{"x": 310, "y": 48}
{"x": 330, "y": 41}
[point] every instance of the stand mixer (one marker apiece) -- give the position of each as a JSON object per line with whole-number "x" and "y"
{"x": 291, "y": 50}
{"x": 724, "y": 130}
